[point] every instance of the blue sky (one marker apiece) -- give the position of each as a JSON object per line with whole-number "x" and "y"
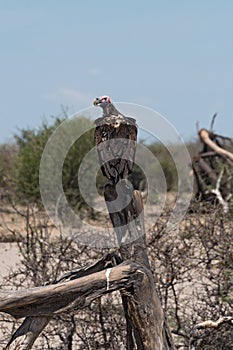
{"x": 173, "y": 56}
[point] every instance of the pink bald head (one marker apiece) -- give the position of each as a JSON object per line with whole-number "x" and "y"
{"x": 105, "y": 99}
{"x": 102, "y": 101}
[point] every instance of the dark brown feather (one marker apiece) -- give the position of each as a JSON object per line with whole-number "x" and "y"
{"x": 116, "y": 146}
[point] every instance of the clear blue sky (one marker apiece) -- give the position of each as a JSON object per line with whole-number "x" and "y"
{"x": 173, "y": 56}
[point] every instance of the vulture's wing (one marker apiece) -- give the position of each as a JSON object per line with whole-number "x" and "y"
{"x": 127, "y": 133}
{"x": 101, "y": 135}
{"x": 116, "y": 155}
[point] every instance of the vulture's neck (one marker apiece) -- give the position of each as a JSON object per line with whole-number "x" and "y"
{"x": 109, "y": 109}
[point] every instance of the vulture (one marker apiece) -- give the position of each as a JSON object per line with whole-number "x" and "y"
{"x": 115, "y": 137}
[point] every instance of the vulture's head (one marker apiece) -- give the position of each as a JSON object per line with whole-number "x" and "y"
{"x": 102, "y": 101}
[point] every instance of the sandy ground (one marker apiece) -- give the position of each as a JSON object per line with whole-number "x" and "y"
{"x": 9, "y": 258}
{"x": 9, "y": 253}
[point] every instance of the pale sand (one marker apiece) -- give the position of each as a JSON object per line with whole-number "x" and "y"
{"x": 9, "y": 259}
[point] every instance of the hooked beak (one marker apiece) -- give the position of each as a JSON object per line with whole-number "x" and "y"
{"x": 96, "y": 101}
{"x": 117, "y": 125}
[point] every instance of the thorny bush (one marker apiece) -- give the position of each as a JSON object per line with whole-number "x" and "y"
{"x": 192, "y": 266}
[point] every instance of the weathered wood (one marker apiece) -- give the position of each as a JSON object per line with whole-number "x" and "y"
{"x": 69, "y": 296}
{"x": 143, "y": 310}
{"x": 208, "y": 170}
{"x": 107, "y": 261}
{"x": 214, "y": 324}
{"x": 128, "y": 222}
{"x": 138, "y": 287}
{"x": 205, "y": 137}
{"x": 213, "y": 168}
{"x": 206, "y": 332}
{"x": 147, "y": 318}
{"x": 147, "y": 328}
{"x": 27, "y": 333}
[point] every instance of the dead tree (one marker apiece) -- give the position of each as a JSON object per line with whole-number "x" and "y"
{"x": 213, "y": 167}
{"x": 129, "y": 272}
{"x": 116, "y": 137}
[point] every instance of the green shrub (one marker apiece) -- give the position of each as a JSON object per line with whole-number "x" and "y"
{"x": 8, "y": 154}
{"x": 20, "y": 162}
{"x": 30, "y": 143}
{"x": 167, "y": 164}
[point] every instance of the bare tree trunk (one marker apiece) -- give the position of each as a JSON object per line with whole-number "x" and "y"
{"x": 146, "y": 324}
{"x": 147, "y": 328}
{"x": 143, "y": 310}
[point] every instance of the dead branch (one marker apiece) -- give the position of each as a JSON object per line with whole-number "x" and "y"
{"x": 212, "y": 121}
{"x": 107, "y": 261}
{"x": 208, "y": 170}
{"x": 213, "y": 168}
{"x": 27, "y": 333}
{"x": 205, "y": 138}
{"x": 218, "y": 193}
{"x": 203, "y": 330}
{"x": 40, "y": 303}
{"x": 214, "y": 324}
{"x": 69, "y": 296}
